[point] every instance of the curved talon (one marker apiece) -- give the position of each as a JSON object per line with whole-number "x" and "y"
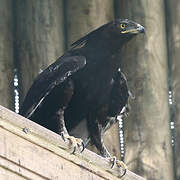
{"x": 119, "y": 163}
{"x": 74, "y": 150}
{"x": 83, "y": 147}
{"x": 113, "y": 160}
{"x": 76, "y": 143}
{"x": 125, "y": 171}
{"x": 123, "y": 166}
{"x": 63, "y": 137}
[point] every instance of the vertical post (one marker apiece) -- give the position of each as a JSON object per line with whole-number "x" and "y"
{"x": 85, "y": 16}
{"x": 39, "y": 38}
{"x": 6, "y": 54}
{"x": 147, "y": 132}
{"x": 173, "y": 37}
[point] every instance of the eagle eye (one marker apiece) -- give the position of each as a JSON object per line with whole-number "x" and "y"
{"x": 123, "y": 26}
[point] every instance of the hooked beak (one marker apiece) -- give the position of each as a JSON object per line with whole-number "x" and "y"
{"x": 137, "y": 30}
{"x": 140, "y": 28}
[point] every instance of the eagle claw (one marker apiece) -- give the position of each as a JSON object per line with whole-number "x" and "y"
{"x": 119, "y": 163}
{"x": 63, "y": 136}
{"x": 76, "y": 143}
{"x": 83, "y": 147}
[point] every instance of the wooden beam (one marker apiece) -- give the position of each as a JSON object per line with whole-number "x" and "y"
{"x": 28, "y": 150}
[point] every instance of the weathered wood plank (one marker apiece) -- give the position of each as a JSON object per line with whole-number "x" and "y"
{"x": 7, "y": 174}
{"x": 31, "y": 151}
{"x": 9, "y": 169}
{"x": 37, "y": 161}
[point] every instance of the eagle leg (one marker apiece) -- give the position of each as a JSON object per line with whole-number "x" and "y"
{"x": 76, "y": 143}
{"x": 119, "y": 163}
{"x": 97, "y": 133}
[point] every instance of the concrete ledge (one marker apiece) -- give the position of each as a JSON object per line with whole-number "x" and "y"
{"x": 30, "y": 151}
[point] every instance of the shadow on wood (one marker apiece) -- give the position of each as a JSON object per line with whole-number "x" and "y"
{"x": 29, "y": 151}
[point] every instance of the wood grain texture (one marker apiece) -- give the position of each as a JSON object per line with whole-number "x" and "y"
{"x": 6, "y": 54}
{"x": 147, "y": 135}
{"x": 39, "y": 38}
{"x": 173, "y": 37}
{"x": 31, "y": 151}
{"x": 85, "y": 16}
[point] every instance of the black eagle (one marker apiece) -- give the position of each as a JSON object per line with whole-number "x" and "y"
{"x": 84, "y": 84}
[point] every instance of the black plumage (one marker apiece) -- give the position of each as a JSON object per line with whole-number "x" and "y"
{"x": 84, "y": 83}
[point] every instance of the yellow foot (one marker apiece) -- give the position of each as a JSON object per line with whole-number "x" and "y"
{"x": 75, "y": 143}
{"x": 119, "y": 163}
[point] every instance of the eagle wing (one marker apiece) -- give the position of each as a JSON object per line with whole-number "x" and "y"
{"x": 52, "y": 76}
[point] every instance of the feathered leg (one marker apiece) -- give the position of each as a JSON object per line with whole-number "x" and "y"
{"x": 68, "y": 91}
{"x": 96, "y": 130}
